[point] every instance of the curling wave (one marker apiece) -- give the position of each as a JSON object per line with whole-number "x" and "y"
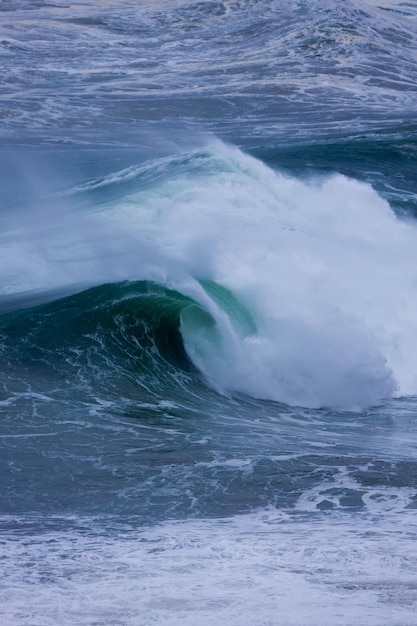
{"x": 297, "y": 291}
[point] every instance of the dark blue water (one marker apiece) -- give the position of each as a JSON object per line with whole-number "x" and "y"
{"x": 208, "y": 301}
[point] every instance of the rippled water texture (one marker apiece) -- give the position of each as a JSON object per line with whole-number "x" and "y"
{"x": 207, "y": 313}
{"x": 263, "y": 70}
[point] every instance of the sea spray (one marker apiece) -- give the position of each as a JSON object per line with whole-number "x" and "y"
{"x": 315, "y": 263}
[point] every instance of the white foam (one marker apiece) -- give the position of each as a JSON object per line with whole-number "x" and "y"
{"x": 260, "y": 569}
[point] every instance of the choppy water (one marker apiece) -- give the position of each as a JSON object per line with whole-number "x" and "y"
{"x": 208, "y": 257}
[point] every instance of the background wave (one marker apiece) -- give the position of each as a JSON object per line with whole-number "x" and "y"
{"x": 255, "y": 70}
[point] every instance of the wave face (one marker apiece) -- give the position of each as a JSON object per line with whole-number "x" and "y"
{"x": 286, "y": 290}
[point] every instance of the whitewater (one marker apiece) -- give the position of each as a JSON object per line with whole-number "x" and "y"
{"x": 208, "y": 270}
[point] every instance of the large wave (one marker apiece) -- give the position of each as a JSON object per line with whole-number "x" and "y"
{"x": 297, "y": 291}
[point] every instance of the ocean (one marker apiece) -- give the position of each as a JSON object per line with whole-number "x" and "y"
{"x": 208, "y": 312}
